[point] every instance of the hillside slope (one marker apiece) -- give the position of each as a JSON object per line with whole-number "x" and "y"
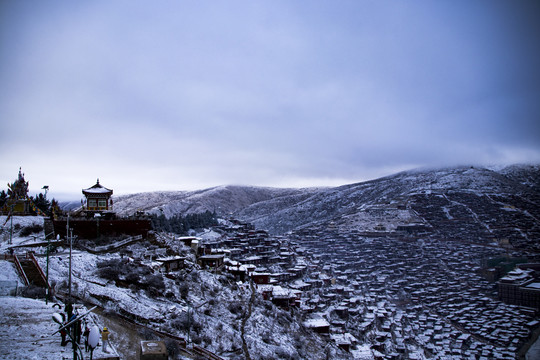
{"x": 224, "y": 200}
{"x": 488, "y": 203}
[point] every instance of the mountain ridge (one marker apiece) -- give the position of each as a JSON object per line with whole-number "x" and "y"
{"x": 280, "y": 210}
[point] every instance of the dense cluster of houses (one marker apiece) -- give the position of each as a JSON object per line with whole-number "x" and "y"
{"x": 430, "y": 294}
{"x": 405, "y": 296}
{"x": 510, "y": 220}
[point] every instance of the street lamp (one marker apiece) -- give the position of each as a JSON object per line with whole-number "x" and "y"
{"x": 46, "y": 188}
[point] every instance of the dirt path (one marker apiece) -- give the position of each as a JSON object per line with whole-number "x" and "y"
{"x": 127, "y": 336}
{"x": 244, "y": 321}
{"x": 124, "y": 336}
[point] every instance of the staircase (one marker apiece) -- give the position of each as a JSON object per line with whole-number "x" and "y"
{"x": 31, "y": 272}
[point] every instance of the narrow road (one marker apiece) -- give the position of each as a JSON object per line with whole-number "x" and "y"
{"x": 244, "y": 321}
{"x": 125, "y": 336}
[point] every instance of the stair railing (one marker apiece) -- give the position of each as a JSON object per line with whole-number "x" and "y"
{"x": 20, "y": 269}
{"x": 34, "y": 260}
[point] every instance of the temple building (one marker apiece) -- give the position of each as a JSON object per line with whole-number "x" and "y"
{"x": 98, "y": 198}
{"x": 96, "y": 218}
{"x": 521, "y": 286}
{"x": 17, "y": 202}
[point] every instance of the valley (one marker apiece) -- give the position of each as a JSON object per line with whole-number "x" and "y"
{"x": 403, "y": 267}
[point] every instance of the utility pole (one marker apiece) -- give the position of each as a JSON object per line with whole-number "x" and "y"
{"x": 11, "y": 230}
{"x": 73, "y": 331}
{"x": 46, "y": 188}
{"x": 70, "y": 257}
{"x": 69, "y": 239}
{"x": 69, "y": 306}
{"x": 47, "y": 270}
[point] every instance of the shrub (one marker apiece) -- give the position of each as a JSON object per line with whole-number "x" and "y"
{"x": 196, "y": 339}
{"x": 155, "y": 286}
{"x": 147, "y": 334}
{"x": 281, "y": 353}
{"x": 133, "y": 277}
{"x": 109, "y": 272}
{"x": 196, "y": 326}
{"x": 184, "y": 290}
{"x": 266, "y": 337}
{"x": 33, "y": 292}
{"x": 172, "y": 347}
{"x": 31, "y": 229}
{"x": 194, "y": 276}
{"x": 235, "y": 307}
{"x": 182, "y": 323}
{"x": 207, "y": 340}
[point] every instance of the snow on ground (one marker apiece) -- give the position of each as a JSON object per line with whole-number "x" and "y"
{"x": 8, "y": 272}
{"x": 18, "y": 223}
{"x": 27, "y": 328}
{"x": 87, "y": 285}
{"x": 362, "y": 352}
{"x": 217, "y": 306}
{"x": 371, "y": 218}
{"x": 209, "y": 235}
{"x": 21, "y": 220}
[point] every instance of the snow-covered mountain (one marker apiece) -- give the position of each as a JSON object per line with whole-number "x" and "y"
{"x": 360, "y": 235}
{"x": 472, "y": 195}
{"x": 224, "y": 200}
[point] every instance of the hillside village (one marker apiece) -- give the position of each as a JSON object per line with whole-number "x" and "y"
{"x": 460, "y": 283}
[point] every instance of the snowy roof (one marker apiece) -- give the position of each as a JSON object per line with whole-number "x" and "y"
{"x": 278, "y": 291}
{"x": 343, "y": 339}
{"x": 236, "y": 268}
{"x": 187, "y": 238}
{"x": 212, "y": 257}
{"x": 170, "y": 258}
{"x": 97, "y": 189}
{"x": 534, "y": 285}
{"x": 315, "y": 323}
{"x": 265, "y": 288}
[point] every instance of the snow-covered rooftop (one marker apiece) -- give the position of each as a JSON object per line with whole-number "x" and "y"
{"x": 317, "y": 322}
{"x": 97, "y": 189}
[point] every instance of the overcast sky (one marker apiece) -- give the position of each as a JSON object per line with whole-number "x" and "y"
{"x": 183, "y": 95}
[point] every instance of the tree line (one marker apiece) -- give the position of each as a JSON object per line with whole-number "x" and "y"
{"x": 40, "y": 202}
{"x": 181, "y": 225}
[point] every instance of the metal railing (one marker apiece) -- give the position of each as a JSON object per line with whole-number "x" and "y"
{"x": 20, "y": 269}
{"x": 41, "y": 273}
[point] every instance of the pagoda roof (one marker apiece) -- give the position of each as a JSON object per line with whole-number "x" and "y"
{"x": 97, "y": 189}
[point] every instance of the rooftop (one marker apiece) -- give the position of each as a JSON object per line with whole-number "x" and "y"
{"x": 97, "y": 189}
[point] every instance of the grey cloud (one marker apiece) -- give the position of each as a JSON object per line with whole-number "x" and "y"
{"x": 262, "y": 93}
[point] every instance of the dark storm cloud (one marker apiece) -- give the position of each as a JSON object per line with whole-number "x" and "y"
{"x": 186, "y": 95}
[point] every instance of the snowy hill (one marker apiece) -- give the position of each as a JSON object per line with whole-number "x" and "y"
{"x": 474, "y": 195}
{"x": 360, "y": 259}
{"x": 224, "y": 200}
